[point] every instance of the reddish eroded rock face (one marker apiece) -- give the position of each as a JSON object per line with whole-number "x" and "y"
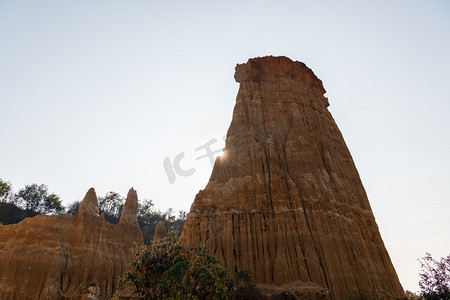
{"x": 286, "y": 201}
{"x": 63, "y": 257}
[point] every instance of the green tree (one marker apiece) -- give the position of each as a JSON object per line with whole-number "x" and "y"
{"x": 148, "y": 217}
{"x": 52, "y": 204}
{"x": 435, "y": 277}
{"x": 37, "y": 198}
{"x": 111, "y": 204}
{"x": 170, "y": 215}
{"x": 32, "y": 197}
{"x": 11, "y": 214}
{"x": 169, "y": 270}
{"x": 244, "y": 285}
{"x": 73, "y": 207}
{"x": 412, "y": 296}
{"x": 145, "y": 208}
{"x": 5, "y": 191}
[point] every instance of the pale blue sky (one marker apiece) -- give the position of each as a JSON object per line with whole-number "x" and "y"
{"x": 99, "y": 93}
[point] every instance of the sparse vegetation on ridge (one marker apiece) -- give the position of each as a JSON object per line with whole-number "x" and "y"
{"x": 35, "y": 199}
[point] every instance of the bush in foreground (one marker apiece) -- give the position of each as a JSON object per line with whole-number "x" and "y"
{"x": 435, "y": 278}
{"x": 169, "y": 270}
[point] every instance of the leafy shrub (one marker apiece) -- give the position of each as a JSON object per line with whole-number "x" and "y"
{"x": 169, "y": 270}
{"x": 435, "y": 277}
